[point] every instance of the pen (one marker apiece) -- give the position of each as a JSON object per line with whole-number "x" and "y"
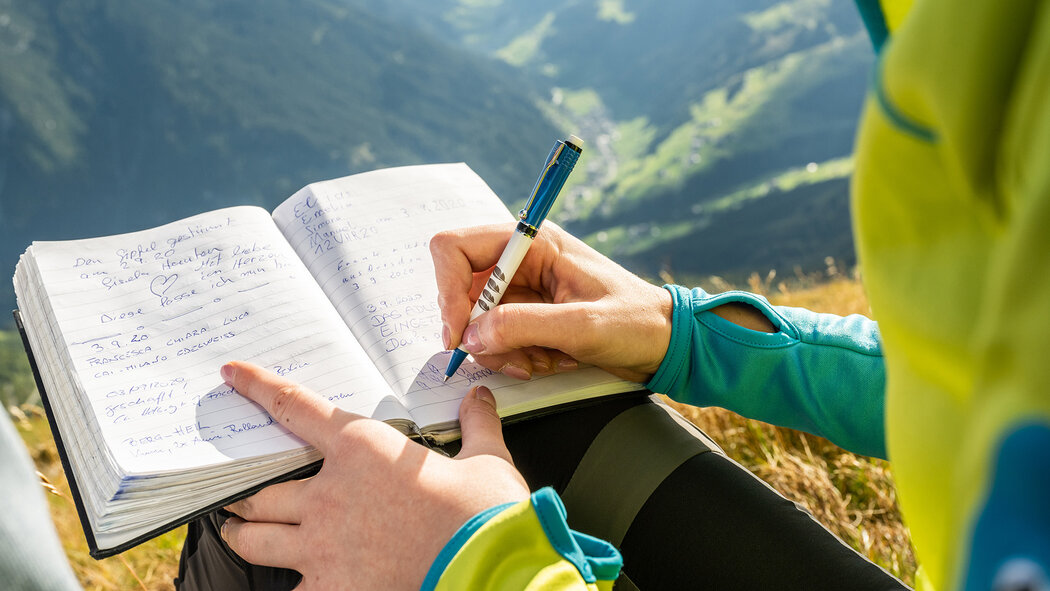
{"x": 556, "y": 169}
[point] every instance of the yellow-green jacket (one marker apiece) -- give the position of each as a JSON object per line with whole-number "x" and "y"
{"x": 524, "y": 545}
{"x": 951, "y": 201}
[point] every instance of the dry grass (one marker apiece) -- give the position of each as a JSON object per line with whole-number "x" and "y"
{"x": 852, "y": 495}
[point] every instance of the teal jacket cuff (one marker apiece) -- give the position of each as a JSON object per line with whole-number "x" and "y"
{"x": 818, "y": 373}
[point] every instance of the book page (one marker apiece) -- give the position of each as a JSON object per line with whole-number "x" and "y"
{"x": 150, "y": 317}
{"x": 435, "y": 403}
{"x": 366, "y": 239}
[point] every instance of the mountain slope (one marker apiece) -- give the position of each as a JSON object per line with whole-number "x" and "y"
{"x": 764, "y": 143}
{"x": 689, "y": 107}
{"x": 116, "y": 116}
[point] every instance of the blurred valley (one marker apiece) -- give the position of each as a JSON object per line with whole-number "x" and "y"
{"x": 719, "y": 132}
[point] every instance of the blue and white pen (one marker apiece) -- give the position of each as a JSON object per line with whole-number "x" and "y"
{"x": 556, "y": 169}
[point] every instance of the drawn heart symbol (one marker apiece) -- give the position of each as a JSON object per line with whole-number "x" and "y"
{"x": 162, "y": 283}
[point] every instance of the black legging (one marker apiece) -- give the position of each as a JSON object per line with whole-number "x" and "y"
{"x": 709, "y": 524}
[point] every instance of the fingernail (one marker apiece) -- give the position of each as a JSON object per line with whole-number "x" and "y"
{"x": 485, "y": 395}
{"x": 541, "y": 366}
{"x": 446, "y": 337}
{"x": 222, "y": 531}
{"x": 472, "y": 339}
{"x": 227, "y": 372}
{"x": 515, "y": 372}
{"x": 567, "y": 364}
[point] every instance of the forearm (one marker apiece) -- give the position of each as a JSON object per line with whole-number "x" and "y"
{"x": 819, "y": 373}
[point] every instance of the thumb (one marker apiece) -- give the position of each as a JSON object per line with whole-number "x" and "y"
{"x": 481, "y": 427}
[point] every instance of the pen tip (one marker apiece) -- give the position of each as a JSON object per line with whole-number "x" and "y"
{"x": 445, "y": 379}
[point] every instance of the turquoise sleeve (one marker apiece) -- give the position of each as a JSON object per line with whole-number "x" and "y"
{"x": 819, "y": 373}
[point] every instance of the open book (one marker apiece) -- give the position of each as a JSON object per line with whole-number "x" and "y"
{"x": 334, "y": 290}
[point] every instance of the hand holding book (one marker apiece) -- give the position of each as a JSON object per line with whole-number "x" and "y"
{"x": 374, "y": 484}
{"x": 335, "y": 290}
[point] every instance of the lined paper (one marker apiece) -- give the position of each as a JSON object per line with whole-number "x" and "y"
{"x": 366, "y": 240}
{"x": 149, "y": 318}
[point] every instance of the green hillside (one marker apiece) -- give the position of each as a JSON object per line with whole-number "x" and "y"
{"x": 741, "y": 173}
{"x": 120, "y": 115}
{"x": 644, "y": 57}
{"x": 703, "y": 118}
{"x": 700, "y": 117}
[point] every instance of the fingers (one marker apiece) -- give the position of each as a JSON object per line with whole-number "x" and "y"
{"x": 570, "y": 327}
{"x": 561, "y": 361}
{"x": 515, "y": 364}
{"x": 299, "y": 410}
{"x": 527, "y": 362}
{"x": 278, "y": 503}
{"x": 266, "y": 544}
{"x": 481, "y": 427}
{"x": 457, "y": 255}
{"x": 480, "y": 245}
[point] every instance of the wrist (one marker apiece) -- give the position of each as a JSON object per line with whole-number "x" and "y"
{"x": 660, "y": 321}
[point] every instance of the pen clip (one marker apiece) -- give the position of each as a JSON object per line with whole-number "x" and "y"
{"x": 552, "y": 159}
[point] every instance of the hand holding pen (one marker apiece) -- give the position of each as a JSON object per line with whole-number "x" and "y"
{"x": 567, "y": 303}
{"x": 560, "y": 162}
